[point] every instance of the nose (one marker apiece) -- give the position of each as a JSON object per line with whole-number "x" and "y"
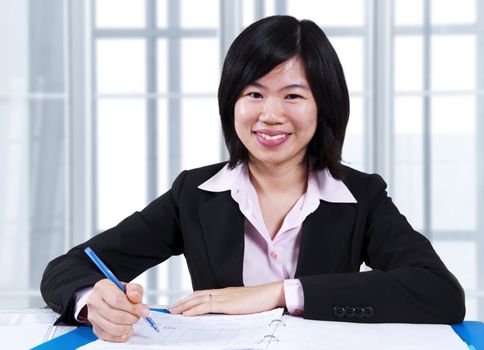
{"x": 272, "y": 111}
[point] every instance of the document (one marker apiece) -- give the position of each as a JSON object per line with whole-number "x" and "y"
{"x": 26, "y": 328}
{"x": 201, "y": 332}
{"x": 312, "y": 335}
{"x": 271, "y": 330}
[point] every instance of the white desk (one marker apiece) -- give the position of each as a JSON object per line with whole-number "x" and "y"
{"x": 26, "y": 328}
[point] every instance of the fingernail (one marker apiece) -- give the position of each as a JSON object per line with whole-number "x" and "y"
{"x": 137, "y": 294}
{"x": 145, "y": 313}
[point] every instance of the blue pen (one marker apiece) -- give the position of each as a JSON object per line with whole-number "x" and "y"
{"x": 104, "y": 269}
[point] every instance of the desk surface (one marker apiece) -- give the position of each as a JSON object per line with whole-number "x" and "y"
{"x": 37, "y": 324}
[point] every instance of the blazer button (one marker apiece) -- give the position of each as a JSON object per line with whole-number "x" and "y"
{"x": 350, "y": 311}
{"x": 359, "y": 312}
{"x": 339, "y": 311}
{"x": 368, "y": 312}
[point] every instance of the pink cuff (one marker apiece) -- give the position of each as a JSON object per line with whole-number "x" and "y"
{"x": 294, "y": 295}
{"x": 81, "y": 300}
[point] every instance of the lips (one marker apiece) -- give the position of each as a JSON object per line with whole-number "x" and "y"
{"x": 271, "y": 138}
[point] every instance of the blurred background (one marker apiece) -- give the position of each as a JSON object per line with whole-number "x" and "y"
{"x": 104, "y": 102}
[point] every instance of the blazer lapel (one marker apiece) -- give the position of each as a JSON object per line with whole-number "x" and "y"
{"x": 223, "y": 229}
{"x": 326, "y": 239}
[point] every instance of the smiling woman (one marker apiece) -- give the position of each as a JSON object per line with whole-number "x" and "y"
{"x": 281, "y": 224}
{"x": 275, "y": 117}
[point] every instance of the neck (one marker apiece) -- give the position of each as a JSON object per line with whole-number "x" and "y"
{"x": 268, "y": 179}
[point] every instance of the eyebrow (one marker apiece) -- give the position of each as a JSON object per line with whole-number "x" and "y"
{"x": 287, "y": 87}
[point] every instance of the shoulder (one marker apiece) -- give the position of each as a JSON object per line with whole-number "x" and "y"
{"x": 363, "y": 185}
{"x": 191, "y": 179}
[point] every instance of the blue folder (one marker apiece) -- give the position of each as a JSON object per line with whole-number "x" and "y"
{"x": 72, "y": 340}
{"x": 472, "y": 332}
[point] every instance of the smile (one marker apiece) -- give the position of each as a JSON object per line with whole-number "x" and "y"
{"x": 272, "y": 137}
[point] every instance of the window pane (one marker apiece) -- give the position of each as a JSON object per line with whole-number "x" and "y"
{"x": 248, "y": 12}
{"x": 453, "y": 163}
{"x": 329, "y": 13}
{"x": 270, "y": 8}
{"x": 408, "y": 12}
{"x": 195, "y": 79}
{"x": 31, "y": 34}
{"x": 32, "y": 193}
{"x": 162, "y": 275}
{"x": 350, "y": 52}
{"x": 408, "y": 63}
{"x": 201, "y": 132}
{"x": 200, "y": 14}
{"x": 120, "y": 13}
{"x": 472, "y": 306}
{"x": 447, "y": 50}
{"x": 354, "y": 147}
{"x": 453, "y": 11}
{"x": 121, "y": 66}
{"x": 408, "y": 159}
{"x": 162, "y": 66}
{"x": 162, "y": 13}
{"x": 46, "y": 46}
{"x": 14, "y": 35}
{"x": 121, "y": 159}
{"x": 163, "y": 147}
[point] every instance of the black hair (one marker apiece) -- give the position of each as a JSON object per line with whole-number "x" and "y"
{"x": 266, "y": 44}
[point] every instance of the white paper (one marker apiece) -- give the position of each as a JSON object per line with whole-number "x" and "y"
{"x": 201, "y": 332}
{"x": 26, "y": 328}
{"x": 295, "y": 332}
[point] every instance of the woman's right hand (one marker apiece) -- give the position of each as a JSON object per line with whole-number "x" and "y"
{"x": 113, "y": 313}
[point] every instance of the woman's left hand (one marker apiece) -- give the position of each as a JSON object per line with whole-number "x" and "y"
{"x": 232, "y": 300}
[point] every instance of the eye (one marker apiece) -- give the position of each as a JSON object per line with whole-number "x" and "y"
{"x": 293, "y": 96}
{"x": 255, "y": 94}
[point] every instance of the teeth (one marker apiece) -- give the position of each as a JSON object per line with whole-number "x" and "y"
{"x": 272, "y": 138}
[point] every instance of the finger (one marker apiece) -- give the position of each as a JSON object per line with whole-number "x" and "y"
{"x": 193, "y": 296}
{"x": 113, "y": 296}
{"x": 204, "y": 308}
{"x": 109, "y": 328}
{"x": 102, "y": 334}
{"x": 204, "y": 299}
{"x": 114, "y": 315}
{"x": 134, "y": 292}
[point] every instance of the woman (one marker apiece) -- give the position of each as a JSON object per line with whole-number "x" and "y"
{"x": 282, "y": 224}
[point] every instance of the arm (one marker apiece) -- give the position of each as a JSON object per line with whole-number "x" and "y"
{"x": 408, "y": 283}
{"x": 139, "y": 242}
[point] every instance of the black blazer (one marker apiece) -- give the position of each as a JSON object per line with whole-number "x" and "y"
{"x": 408, "y": 281}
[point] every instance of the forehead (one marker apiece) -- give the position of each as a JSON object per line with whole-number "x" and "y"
{"x": 290, "y": 71}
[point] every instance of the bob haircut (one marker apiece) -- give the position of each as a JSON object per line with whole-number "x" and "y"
{"x": 266, "y": 44}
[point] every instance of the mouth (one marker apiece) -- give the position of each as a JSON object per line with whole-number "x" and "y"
{"x": 271, "y": 138}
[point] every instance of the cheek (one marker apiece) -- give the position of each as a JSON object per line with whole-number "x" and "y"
{"x": 307, "y": 120}
{"x": 243, "y": 115}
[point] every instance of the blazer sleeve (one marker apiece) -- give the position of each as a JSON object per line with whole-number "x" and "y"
{"x": 408, "y": 282}
{"x": 142, "y": 240}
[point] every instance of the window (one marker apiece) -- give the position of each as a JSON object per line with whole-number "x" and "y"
{"x": 156, "y": 71}
{"x": 437, "y": 127}
{"x": 34, "y": 148}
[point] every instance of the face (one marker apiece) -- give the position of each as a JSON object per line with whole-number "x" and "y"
{"x": 276, "y": 116}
